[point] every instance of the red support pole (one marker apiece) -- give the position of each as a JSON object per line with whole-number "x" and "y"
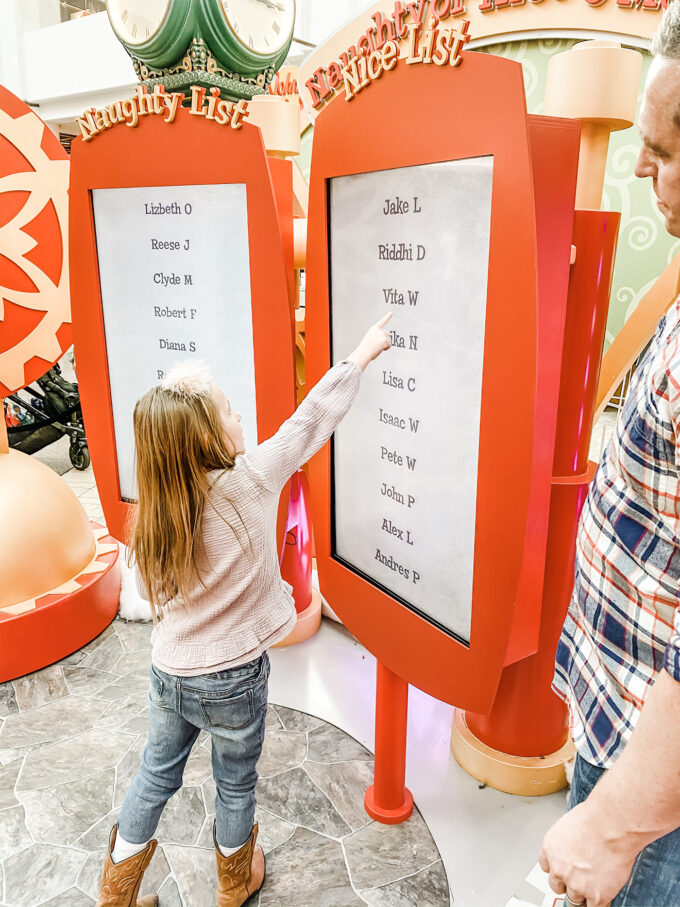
{"x": 387, "y": 800}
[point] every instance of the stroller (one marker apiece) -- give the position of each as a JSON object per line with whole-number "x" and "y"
{"x": 47, "y": 417}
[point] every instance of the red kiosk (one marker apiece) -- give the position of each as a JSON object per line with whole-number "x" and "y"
{"x": 485, "y": 504}
{"x": 182, "y": 209}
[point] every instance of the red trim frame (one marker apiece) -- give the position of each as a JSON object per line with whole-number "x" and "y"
{"x": 554, "y": 150}
{"x": 420, "y": 114}
{"x": 189, "y": 151}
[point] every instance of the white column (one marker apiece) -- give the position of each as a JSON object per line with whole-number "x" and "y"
{"x": 315, "y": 21}
{"x": 11, "y": 46}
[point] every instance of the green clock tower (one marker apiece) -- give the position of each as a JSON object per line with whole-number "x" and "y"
{"x": 234, "y": 45}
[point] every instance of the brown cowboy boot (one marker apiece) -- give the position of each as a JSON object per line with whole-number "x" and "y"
{"x": 240, "y": 875}
{"x": 120, "y": 881}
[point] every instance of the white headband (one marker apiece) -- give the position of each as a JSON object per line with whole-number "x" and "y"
{"x": 190, "y": 378}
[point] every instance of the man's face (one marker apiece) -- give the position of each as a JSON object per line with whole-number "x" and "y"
{"x": 660, "y": 153}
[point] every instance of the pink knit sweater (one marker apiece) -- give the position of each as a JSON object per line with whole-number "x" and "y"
{"x": 245, "y": 606}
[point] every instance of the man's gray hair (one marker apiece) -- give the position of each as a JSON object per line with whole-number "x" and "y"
{"x": 666, "y": 40}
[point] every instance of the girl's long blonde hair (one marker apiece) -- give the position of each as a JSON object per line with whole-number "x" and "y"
{"x": 179, "y": 438}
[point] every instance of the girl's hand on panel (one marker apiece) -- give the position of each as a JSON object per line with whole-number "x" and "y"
{"x": 374, "y": 342}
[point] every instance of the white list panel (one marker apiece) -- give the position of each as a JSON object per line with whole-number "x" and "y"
{"x": 174, "y": 268}
{"x": 413, "y": 241}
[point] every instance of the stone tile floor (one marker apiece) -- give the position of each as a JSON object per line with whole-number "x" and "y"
{"x": 71, "y": 739}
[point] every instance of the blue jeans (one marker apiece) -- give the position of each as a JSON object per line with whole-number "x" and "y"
{"x": 655, "y": 879}
{"x": 231, "y": 705}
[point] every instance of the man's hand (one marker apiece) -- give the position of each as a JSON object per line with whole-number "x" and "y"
{"x": 589, "y": 853}
{"x": 585, "y": 858}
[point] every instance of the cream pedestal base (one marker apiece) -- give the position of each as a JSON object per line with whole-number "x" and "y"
{"x": 525, "y": 776}
{"x": 308, "y": 622}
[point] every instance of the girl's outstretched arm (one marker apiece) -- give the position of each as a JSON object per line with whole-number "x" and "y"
{"x": 317, "y": 417}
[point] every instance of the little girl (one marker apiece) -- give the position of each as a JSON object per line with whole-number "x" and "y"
{"x": 204, "y": 543}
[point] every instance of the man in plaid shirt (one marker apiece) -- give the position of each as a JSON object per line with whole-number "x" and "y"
{"x": 618, "y": 659}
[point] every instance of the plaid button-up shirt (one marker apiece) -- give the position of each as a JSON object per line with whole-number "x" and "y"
{"x": 623, "y": 623}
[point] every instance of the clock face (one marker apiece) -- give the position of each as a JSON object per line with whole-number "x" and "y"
{"x": 263, "y": 26}
{"x": 135, "y": 21}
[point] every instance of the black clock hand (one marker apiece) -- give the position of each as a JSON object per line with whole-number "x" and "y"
{"x": 271, "y": 4}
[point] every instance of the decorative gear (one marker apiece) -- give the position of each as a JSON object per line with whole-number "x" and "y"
{"x": 35, "y": 305}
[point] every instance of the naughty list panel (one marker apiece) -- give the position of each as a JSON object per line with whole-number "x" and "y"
{"x": 413, "y": 241}
{"x": 175, "y": 281}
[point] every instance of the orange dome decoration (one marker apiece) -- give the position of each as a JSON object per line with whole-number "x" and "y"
{"x": 44, "y": 510}
{"x": 35, "y": 308}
